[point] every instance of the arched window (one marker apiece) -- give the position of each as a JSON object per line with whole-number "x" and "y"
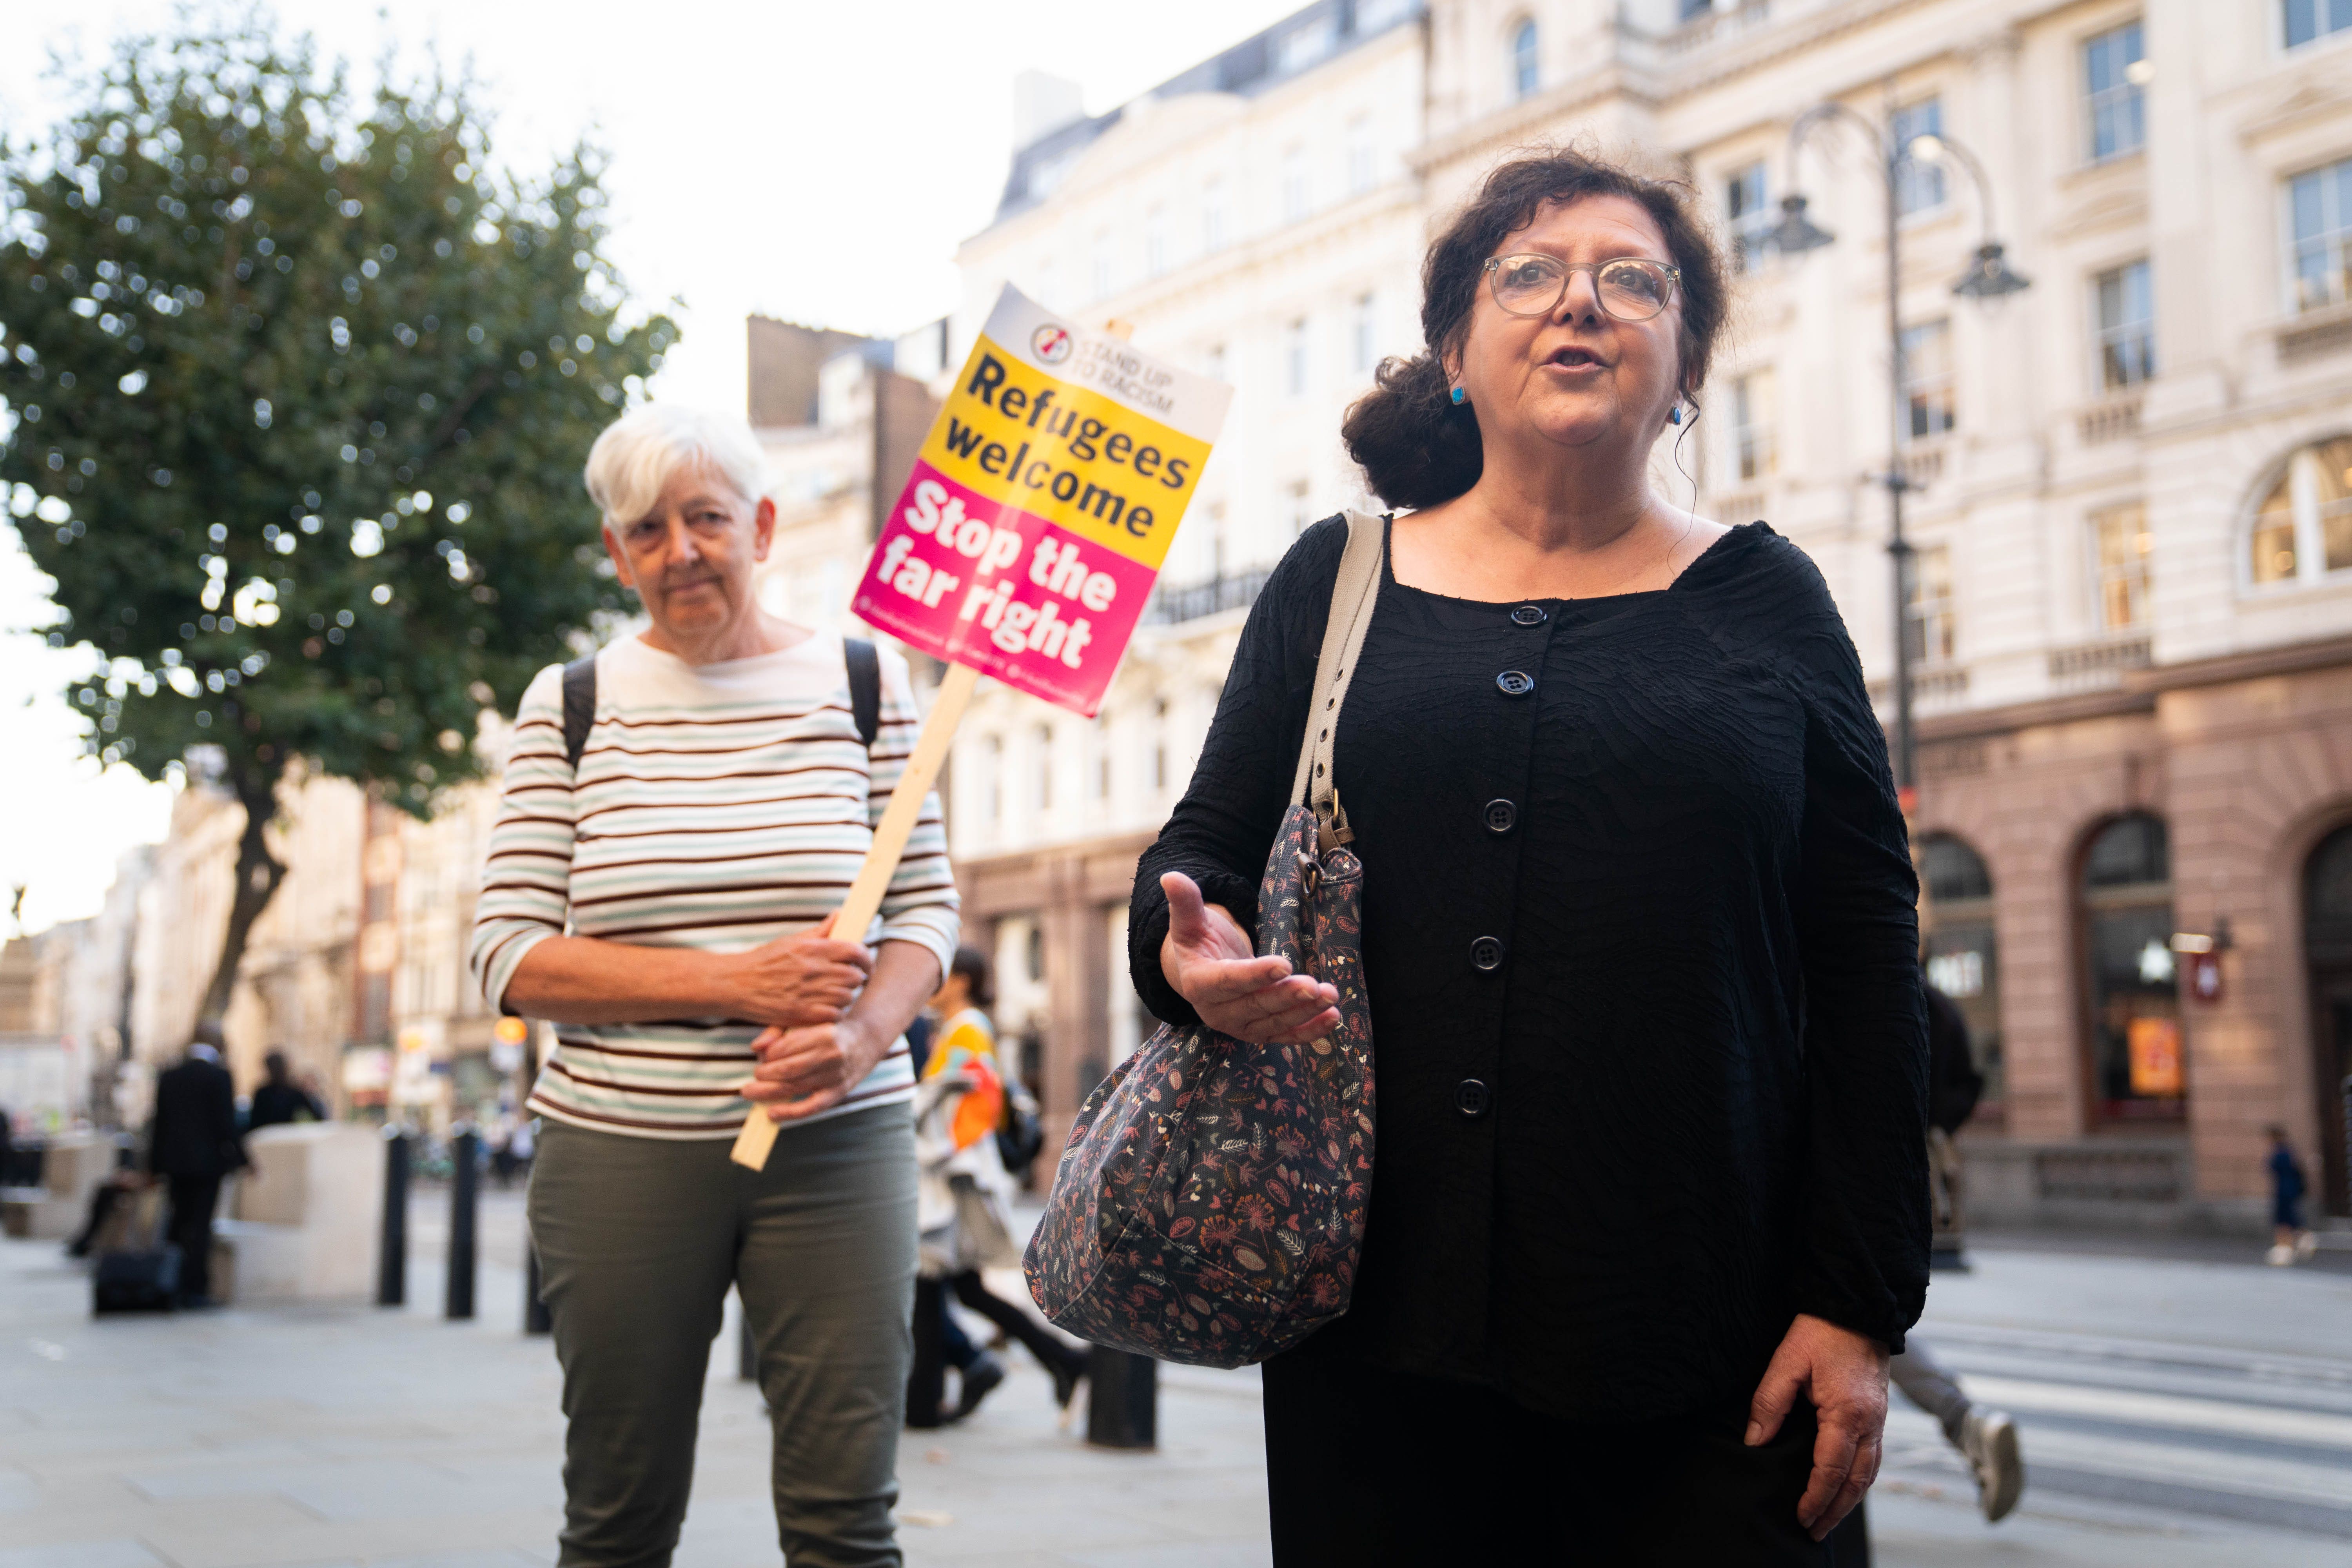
{"x": 2132, "y": 990}
{"x": 1961, "y": 960}
{"x": 2327, "y": 953}
{"x": 1524, "y": 71}
{"x": 2303, "y": 530}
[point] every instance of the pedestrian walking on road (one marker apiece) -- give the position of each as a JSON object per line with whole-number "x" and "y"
{"x": 1987, "y": 1439}
{"x": 192, "y": 1144}
{"x": 660, "y": 883}
{"x": 280, "y": 1099}
{"x": 2291, "y": 1242}
{"x": 967, "y": 1192}
{"x": 1648, "y": 1208}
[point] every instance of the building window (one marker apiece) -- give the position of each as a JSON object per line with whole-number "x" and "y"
{"x": 2304, "y": 527}
{"x": 2120, "y": 544}
{"x": 1293, "y": 186}
{"x": 1747, "y": 213}
{"x": 2131, "y": 991}
{"x": 2127, "y": 327}
{"x": 1213, "y": 215}
{"x": 2320, "y": 204}
{"x": 2113, "y": 72}
{"x": 1101, "y": 274}
{"x": 1299, "y": 508}
{"x": 1045, "y": 760}
{"x": 1918, "y": 181}
{"x": 1691, "y": 10}
{"x": 1360, "y": 154}
{"x": 1525, "y": 72}
{"x": 2309, "y": 19}
{"x": 1930, "y": 625}
{"x": 1303, "y": 46}
{"x": 1961, "y": 960}
{"x": 1755, "y": 417}
{"x": 1362, "y": 321}
{"x": 1215, "y": 518}
{"x": 1155, "y": 242}
{"x": 991, "y": 779}
{"x": 1160, "y": 744}
{"x": 1294, "y": 358}
{"x": 1927, "y": 380}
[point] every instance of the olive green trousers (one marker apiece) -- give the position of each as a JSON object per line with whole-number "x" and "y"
{"x": 639, "y": 1239}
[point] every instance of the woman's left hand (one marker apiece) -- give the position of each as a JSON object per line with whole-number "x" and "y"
{"x": 1844, "y": 1374}
{"x": 807, "y": 1070}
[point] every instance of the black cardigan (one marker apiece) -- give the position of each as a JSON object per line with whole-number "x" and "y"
{"x": 1642, "y": 949}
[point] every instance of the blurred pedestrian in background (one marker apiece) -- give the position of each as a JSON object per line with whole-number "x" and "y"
{"x": 1649, "y": 1193}
{"x": 192, "y": 1144}
{"x": 967, "y": 1191}
{"x": 1987, "y": 1439}
{"x": 1953, "y": 1086}
{"x": 280, "y": 1099}
{"x": 2290, "y": 1241}
{"x": 662, "y": 893}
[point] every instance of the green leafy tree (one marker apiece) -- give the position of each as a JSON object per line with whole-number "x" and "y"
{"x": 301, "y": 390}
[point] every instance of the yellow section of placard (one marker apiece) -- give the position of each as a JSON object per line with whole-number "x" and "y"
{"x": 1065, "y": 454}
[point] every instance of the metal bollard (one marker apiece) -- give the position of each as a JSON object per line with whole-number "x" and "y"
{"x": 391, "y": 1260}
{"x": 1122, "y": 1399}
{"x": 535, "y": 1317}
{"x": 465, "y": 1192}
{"x": 927, "y": 1381}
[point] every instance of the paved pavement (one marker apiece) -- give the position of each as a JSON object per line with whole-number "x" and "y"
{"x": 2177, "y": 1413}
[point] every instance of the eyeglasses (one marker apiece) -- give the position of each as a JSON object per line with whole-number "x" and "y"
{"x": 1630, "y": 288}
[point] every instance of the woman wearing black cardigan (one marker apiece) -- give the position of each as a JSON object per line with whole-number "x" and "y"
{"x": 1649, "y": 1203}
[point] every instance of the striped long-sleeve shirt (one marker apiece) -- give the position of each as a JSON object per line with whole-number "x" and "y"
{"x": 716, "y": 807}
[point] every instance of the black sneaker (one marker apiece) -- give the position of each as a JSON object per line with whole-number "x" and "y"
{"x": 980, "y": 1379}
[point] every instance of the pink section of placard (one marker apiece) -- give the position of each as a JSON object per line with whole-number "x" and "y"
{"x": 984, "y": 583}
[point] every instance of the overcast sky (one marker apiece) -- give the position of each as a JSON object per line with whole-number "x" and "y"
{"x": 817, "y": 162}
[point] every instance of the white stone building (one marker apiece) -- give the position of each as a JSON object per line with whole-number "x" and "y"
{"x": 2131, "y": 604}
{"x": 1256, "y": 218}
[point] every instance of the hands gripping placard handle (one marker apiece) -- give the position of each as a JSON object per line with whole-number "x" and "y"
{"x": 865, "y": 900}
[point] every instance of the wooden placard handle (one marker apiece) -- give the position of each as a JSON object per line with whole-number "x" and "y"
{"x": 865, "y": 899}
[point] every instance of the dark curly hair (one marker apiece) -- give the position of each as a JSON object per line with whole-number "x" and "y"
{"x": 1416, "y": 446}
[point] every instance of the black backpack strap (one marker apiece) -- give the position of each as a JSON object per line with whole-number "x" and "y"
{"x": 579, "y": 706}
{"x": 864, "y": 687}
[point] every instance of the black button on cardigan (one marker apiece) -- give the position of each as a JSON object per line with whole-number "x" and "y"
{"x": 1704, "y": 1066}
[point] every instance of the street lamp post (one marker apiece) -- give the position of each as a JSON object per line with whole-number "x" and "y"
{"x": 1988, "y": 277}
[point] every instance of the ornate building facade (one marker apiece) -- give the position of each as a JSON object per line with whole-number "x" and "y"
{"x": 2127, "y": 490}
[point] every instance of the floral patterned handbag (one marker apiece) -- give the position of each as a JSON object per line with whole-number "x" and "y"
{"x": 1210, "y": 1202}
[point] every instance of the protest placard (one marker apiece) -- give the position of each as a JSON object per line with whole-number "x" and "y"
{"x": 1026, "y": 542}
{"x": 1042, "y": 506}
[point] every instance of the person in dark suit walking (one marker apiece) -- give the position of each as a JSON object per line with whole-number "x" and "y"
{"x": 192, "y": 1144}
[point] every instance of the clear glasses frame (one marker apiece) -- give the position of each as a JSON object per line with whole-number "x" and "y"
{"x": 1629, "y": 287}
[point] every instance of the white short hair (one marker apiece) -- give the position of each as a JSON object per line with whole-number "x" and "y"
{"x": 638, "y": 453}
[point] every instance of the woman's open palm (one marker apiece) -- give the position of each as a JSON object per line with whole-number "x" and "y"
{"x": 1207, "y": 957}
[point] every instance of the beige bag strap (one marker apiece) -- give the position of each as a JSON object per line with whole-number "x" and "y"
{"x": 1352, "y": 594}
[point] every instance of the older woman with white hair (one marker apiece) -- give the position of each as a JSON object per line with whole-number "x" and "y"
{"x": 659, "y": 885}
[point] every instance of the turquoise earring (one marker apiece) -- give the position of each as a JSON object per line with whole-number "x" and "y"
{"x": 1674, "y": 415}
{"x": 1460, "y": 395}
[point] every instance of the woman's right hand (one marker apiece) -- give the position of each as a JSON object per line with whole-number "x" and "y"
{"x": 796, "y": 981}
{"x": 1207, "y": 957}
